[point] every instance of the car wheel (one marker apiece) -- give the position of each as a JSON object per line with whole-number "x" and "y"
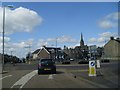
{"x": 53, "y": 71}
{"x": 39, "y": 72}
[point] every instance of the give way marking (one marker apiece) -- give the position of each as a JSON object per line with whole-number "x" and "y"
{"x": 21, "y": 82}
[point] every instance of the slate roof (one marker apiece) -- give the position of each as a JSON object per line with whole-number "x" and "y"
{"x": 50, "y": 49}
{"x": 36, "y": 51}
{"x": 118, "y": 40}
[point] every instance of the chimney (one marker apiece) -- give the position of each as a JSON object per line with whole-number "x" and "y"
{"x": 118, "y": 38}
{"x": 111, "y": 38}
{"x": 44, "y": 46}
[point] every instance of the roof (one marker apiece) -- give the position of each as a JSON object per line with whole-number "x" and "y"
{"x": 117, "y": 40}
{"x": 36, "y": 51}
{"x": 50, "y": 49}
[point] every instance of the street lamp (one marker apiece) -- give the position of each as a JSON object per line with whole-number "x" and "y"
{"x": 9, "y": 6}
{"x": 56, "y": 49}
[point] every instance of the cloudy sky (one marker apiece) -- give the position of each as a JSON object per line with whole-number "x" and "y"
{"x": 38, "y": 23}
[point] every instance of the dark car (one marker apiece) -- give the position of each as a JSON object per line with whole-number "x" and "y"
{"x": 46, "y": 66}
{"x": 105, "y": 61}
{"x": 83, "y": 62}
{"x": 66, "y": 62}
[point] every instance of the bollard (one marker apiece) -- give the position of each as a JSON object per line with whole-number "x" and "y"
{"x": 98, "y": 63}
{"x": 92, "y": 69}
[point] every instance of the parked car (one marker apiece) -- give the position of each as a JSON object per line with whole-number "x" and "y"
{"x": 46, "y": 66}
{"x": 71, "y": 59}
{"x": 83, "y": 62}
{"x": 105, "y": 61}
{"x": 66, "y": 62}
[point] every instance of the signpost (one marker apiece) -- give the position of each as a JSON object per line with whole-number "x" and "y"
{"x": 92, "y": 69}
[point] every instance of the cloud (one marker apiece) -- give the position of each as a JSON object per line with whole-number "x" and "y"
{"x": 114, "y": 16}
{"x": 106, "y": 24}
{"x": 66, "y": 39}
{"x": 107, "y": 34}
{"x": 102, "y": 38}
{"x": 20, "y": 20}
{"x": 92, "y": 40}
{"x": 61, "y": 40}
{"x": 109, "y": 21}
{"x": 42, "y": 42}
{"x": 24, "y": 44}
{"x": 6, "y": 39}
{"x": 19, "y": 49}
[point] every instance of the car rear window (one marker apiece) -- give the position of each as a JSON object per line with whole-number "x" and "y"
{"x": 47, "y": 61}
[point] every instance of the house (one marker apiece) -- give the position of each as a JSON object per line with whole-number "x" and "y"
{"x": 112, "y": 49}
{"x": 35, "y": 54}
{"x": 48, "y": 52}
{"x": 95, "y": 51}
{"x": 92, "y": 50}
{"x": 79, "y": 52}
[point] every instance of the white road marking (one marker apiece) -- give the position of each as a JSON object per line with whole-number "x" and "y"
{"x": 25, "y": 79}
{"x": 5, "y": 77}
{"x": 50, "y": 77}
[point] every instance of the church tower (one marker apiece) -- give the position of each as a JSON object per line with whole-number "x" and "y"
{"x": 81, "y": 42}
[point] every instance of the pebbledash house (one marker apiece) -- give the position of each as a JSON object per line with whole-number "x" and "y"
{"x": 112, "y": 49}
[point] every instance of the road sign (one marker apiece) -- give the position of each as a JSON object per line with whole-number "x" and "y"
{"x": 92, "y": 69}
{"x": 92, "y": 63}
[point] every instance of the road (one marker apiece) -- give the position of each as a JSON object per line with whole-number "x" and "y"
{"x": 24, "y": 75}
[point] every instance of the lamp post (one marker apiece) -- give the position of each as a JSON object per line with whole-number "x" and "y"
{"x": 9, "y": 6}
{"x": 56, "y": 49}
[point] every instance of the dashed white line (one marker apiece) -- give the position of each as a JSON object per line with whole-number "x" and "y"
{"x": 25, "y": 79}
{"x": 5, "y": 77}
{"x": 50, "y": 77}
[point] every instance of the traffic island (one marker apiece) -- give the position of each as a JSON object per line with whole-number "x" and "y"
{"x": 103, "y": 78}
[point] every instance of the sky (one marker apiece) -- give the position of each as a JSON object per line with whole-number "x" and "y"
{"x": 36, "y": 24}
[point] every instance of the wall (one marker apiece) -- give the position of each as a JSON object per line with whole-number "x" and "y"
{"x": 111, "y": 50}
{"x": 44, "y": 54}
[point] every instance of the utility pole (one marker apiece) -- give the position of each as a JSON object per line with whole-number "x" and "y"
{"x": 56, "y": 49}
{"x": 3, "y": 35}
{"x": 29, "y": 48}
{"x": 11, "y": 54}
{"x": 29, "y": 52}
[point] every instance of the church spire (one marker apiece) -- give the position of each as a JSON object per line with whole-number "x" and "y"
{"x": 81, "y": 37}
{"x": 82, "y": 41}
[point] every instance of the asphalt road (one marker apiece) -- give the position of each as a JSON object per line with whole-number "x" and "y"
{"x": 24, "y": 75}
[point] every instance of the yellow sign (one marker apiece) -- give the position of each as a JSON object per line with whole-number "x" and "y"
{"x": 92, "y": 69}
